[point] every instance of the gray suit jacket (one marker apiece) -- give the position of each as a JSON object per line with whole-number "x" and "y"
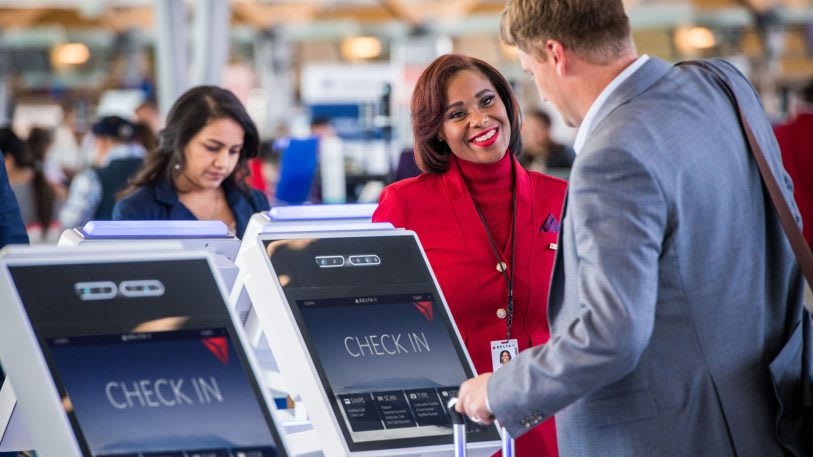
{"x": 674, "y": 285}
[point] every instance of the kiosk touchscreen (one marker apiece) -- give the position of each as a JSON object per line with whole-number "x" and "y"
{"x": 128, "y": 353}
{"x": 361, "y": 330}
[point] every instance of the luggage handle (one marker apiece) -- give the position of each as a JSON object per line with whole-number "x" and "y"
{"x": 459, "y": 433}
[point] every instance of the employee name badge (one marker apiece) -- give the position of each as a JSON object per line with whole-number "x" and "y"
{"x": 502, "y": 352}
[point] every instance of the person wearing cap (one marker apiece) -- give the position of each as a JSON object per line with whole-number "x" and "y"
{"x": 93, "y": 192}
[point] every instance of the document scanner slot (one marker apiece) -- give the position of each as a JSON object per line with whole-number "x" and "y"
{"x": 142, "y": 288}
{"x": 329, "y": 261}
{"x": 364, "y": 260}
{"x": 97, "y": 290}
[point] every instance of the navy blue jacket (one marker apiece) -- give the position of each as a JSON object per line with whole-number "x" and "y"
{"x": 12, "y": 229}
{"x": 159, "y": 201}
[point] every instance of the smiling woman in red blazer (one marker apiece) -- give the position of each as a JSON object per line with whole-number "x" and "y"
{"x": 487, "y": 225}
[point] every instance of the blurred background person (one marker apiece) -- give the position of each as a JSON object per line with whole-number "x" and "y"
{"x": 147, "y": 113}
{"x": 69, "y": 153}
{"x": 92, "y": 193}
{"x": 539, "y": 151}
{"x": 323, "y": 130}
{"x": 35, "y": 196}
{"x": 322, "y": 127}
{"x": 199, "y": 170}
{"x": 268, "y": 173}
{"x": 796, "y": 142}
{"x": 406, "y": 167}
{"x": 488, "y": 226}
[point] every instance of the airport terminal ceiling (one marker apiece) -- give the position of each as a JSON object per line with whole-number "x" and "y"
{"x": 118, "y": 39}
{"x": 115, "y": 14}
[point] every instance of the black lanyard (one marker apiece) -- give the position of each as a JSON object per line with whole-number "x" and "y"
{"x": 507, "y": 275}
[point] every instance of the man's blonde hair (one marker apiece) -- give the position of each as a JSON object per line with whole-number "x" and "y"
{"x": 598, "y": 30}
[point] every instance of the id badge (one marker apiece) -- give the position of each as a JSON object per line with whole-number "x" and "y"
{"x": 502, "y": 352}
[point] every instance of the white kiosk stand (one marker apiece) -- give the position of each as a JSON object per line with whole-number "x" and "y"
{"x": 13, "y": 435}
{"x": 361, "y": 330}
{"x": 212, "y": 236}
{"x": 117, "y": 351}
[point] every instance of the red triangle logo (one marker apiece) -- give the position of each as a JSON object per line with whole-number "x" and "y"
{"x": 425, "y": 307}
{"x": 219, "y": 347}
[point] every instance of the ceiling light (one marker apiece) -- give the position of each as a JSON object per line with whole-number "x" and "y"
{"x": 69, "y": 54}
{"x": 361, "y": 48}
{"x": 692, "y": 39}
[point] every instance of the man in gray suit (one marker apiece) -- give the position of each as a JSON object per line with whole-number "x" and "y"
{"x": 673, "y": 287}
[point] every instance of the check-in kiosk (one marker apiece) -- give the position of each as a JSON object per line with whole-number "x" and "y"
{"x": 129, "y": 353}
{"x": 362, "y": 332}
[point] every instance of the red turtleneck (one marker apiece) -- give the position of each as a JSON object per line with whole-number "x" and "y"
{"x": 490, "y": 187}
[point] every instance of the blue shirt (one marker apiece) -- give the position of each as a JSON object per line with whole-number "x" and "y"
{"x": 159, "y": 201}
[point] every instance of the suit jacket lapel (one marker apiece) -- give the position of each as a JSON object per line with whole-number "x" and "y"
{"x": 556, "y": 292}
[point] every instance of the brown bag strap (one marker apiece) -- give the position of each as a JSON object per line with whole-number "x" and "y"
{"x": 797, "y": 241}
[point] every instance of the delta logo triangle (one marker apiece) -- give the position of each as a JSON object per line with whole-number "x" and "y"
{"x": 219, "y": 347}
{"x": 425, "y": 307}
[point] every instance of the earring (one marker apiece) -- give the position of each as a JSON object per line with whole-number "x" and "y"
{"x": 177, "y": 167}
{"x": 440, "y": 139}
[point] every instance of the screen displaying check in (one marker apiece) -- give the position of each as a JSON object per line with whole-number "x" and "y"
{"x": 406, "y": 347}
{"x": 188, "y": 385}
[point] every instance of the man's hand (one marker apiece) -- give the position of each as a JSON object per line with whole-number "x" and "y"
{"x": 471, "y": 400}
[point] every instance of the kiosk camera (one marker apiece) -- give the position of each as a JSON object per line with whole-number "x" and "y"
{"x": 361, "y": 330}
{"x": 129, "y": 352}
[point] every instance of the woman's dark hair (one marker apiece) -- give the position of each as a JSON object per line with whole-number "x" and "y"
{"x": 429, "y": 104}
{"x": 31, "y": 155}
{"x": 144, "y": 136}
{"x": 195, "y": 109}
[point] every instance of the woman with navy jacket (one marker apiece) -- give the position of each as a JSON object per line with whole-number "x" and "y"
{"x": 199, "y": 168}
{"x": 488, "y": 226}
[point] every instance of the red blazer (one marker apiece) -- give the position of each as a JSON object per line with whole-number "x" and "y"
{"x": 442, "y": 213}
